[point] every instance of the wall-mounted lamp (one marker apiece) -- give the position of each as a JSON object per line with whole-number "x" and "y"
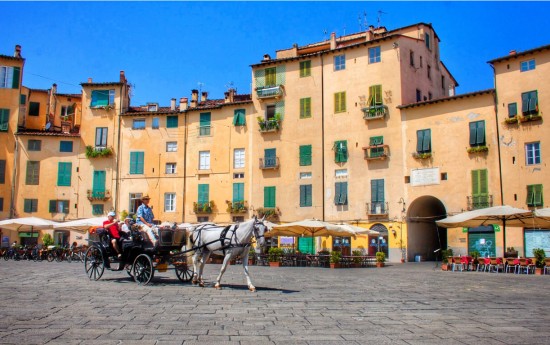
{"x": 393, "y": 231}
{"x": 402, "y": 202}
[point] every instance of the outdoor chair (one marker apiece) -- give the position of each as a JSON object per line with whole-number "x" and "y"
{"x": 512, "y": 263}
{"x": 481, "y": 265}
{"x": 523, "y": 266}
{"x": 457, "y": 264}
{"x": 496, "y": 265}
{"x": 547, "y": 266}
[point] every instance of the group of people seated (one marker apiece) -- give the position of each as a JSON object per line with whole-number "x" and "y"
{"x": 118, "y": 231}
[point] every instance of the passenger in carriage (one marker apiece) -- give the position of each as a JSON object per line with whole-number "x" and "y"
{"x": 125, "y": 229}
{"x": 145, "y": 218}
{"x": 111, "y": 225}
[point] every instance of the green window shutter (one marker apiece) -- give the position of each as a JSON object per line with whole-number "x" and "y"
{"x": 280, "y": 109}
{"x": 379, "y": 140}
{"x": 33, "y": 173}
{"x": 30, "y": 205}
{"x": 427, "y": 142}
{"x": 204, "y": 193}
{"x": 205, "y": 122}
{"x": 271, "y": 76}
{"x": 341, "y": 151}
{"x": 65, "y": 204}
{"x": 136, "y": 162}
{"x": 302, "y": 195}
{"x": 473, "y": 133}
{"x": 419, "y": 140}
{"x": 375, "y": 95}
{"x": 4, "y": 119}
{"x": 53, "y": 206}
{"x": 377, "y": 190}
{"x": 475, "y": 183}
{"x": 100, "y": 98}
{"x": 480, "y": 138}
{"x": 344, "y": 193}
{"x": 16, "y": 77}
{"x": 537, "y": 195}
{"x": 65, "y": 146}
{"x": 259, "y": 76}
{"x": 525, "y": 102}
{"x": 340, "y": 102}
{"x": 64, "y": 174}
{"x": 512, "y": 109}
{"x": 305, "y": 155}
{"x": 270, "y": 157}
{"x": 171, "y": 122}
{"x": 305, "y": 107}
{"x": 483, "y": 183}
{"x": 238, "y": 192}
{"x": 309, "y": 195}
{"x": 98, "y": 183}
{"x": 269, "y": 197}
{"x": 530, "y": 195}
{"x": 337, "y": 192}
{"x": 305, "y": 68}
{"x": 533, "y": 102}
{"x": 239, "y": 118}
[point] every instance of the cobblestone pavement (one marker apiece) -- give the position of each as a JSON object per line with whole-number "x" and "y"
{"x": 411, "y": 303}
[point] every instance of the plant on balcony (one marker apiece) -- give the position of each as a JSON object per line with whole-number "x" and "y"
{"x": 422, "y": 155}
{"x": 527, "y": 118}
{"x": 477, "y": 149}
{"x": 104, "y": 107}
{"x": 511, "y": 120}
{"x": 92, "y": 152}
{"x": 271, "y": 214}
{"x": 236, "y": 207}
{"x": 205, "y": 207}
{"x": 270, "y": 124}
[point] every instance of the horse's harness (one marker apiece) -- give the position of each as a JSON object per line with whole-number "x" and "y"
{"x": 223, "y": 238}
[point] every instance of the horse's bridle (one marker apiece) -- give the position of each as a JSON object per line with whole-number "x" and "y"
{"x": 256, "y": 230}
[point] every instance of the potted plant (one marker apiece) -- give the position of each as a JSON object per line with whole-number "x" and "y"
{"x": 445, "y": 255}
{"x": 274, "y": 256}
{"x": 540, "y": 255}
{"x": 251, "y": 257}
{"x": 380, "y": 259}
{"x": 335, "y": 257}
{"x": 356, "y": 258}
{"x": 511, "y": 253}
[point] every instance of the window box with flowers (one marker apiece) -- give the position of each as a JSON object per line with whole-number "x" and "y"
{"x": 96, "y": 152}
{"x": 422, "y": 155}
{"x": 203, "y": 207}
{"x": 477, "y": 149}
{"x": 236, "y": 207}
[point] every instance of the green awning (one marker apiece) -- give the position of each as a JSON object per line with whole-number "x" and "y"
{"x": 29, "y": 234}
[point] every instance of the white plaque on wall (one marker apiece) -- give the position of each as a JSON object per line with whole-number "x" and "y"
{"x": 424, "y": 177}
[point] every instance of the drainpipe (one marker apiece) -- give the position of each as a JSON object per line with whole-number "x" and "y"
{"x": 184, "y": 166}
{"x": 117, "y": 160}
{"x": 323, "y": 136}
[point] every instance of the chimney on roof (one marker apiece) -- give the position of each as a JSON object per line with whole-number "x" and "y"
{"x": 173, "y": 104}
{"x": 122, "y": 77}
{"x": 17, "y": 52}
{"x": 54, "y": 88}
{"x": 267, "y": 57}
{"x": 332, "y": 40}
{"x": 229, "y": 96}
{"x": 226, "y": 97}
{"x": 204, "y": 96}
{"x": 194, "y": 98}
{"x": 90, "y": 80}
{"x": 513, "y": 52}
{"x": 183, "y": 103}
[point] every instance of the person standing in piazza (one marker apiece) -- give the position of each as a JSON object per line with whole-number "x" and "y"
{"x": 111, "y": 225}
{"x": 145, "y": 218}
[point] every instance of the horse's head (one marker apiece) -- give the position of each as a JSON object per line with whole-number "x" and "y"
{"x": 259, "y": 231}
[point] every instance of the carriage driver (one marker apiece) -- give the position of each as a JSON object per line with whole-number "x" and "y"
{"x": 145, "y": 218}
{"x": 111, "y": 225}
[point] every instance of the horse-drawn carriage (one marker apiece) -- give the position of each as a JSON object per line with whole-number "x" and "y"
{"x": 139, "y": 257}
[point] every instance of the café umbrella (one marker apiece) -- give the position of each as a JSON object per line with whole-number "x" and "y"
{"x": 81, "y": 225}
{"x": 27, "y": 224}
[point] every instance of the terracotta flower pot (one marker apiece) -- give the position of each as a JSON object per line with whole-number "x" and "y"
{"x": 274, "y": 264}
{"x": 334, "y": 265}
{"x": 379, "y": 264}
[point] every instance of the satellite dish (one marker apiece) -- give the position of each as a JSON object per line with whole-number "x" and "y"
{"x": 48, "y": 125}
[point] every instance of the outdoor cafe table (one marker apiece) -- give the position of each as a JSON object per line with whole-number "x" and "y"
{"x": 364, "y": 261}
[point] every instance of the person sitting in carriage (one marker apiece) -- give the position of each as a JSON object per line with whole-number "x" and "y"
{"x": 125, "y": 228}
{"x": 145, "y": 218}
{"x": 111, "y": 225}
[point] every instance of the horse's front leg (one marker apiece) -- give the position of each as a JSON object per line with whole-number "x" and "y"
{"x": 245, "y": 266}
{"x": 226, "y": 260}
{"x": 204, "y": 258}
{"x": 195, "y": 257}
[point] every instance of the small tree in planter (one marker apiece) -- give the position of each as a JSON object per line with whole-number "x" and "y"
{"x": 380, "y": 259}
{"x": 540, "y": 255}
{"x": 47, "y": 240}
{"x": 335, "y": 258}
{"x": 356, "y": 258}
{"x": 445, "y": 255}
{"x": 274, "y": 256}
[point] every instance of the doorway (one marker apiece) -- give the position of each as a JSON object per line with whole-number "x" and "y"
{"x": 425, "y": 238}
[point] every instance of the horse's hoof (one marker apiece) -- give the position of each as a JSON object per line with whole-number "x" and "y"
{"x": 252, "y": 288}
{"x": 201, "y": 284}
{"x": 217, "y": 287}
{"x": 194, "y": 282}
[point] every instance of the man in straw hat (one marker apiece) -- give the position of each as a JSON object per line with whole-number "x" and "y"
{"x": 145, "y": 218}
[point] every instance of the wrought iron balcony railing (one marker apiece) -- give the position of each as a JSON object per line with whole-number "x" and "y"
{"x": 476, "y": 202}
{"x": 377, "y": 208}
{"x": 269, "y": 92}
{"x": 101, "y": 195}
{"x": 376, "y": 152}
{"x": 374, "y": 112}
{"x": 269, "y": 163}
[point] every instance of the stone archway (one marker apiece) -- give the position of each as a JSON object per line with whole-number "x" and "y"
{"x": 424, "y": 236}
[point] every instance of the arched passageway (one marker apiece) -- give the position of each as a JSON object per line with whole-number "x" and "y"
{"x": 424, "y": 236}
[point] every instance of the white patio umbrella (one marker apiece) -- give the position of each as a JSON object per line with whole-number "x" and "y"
{"x": 544, "y": 215}
{"x": 81, "y": 225}
{"x": 359, "y": 230}
{"x": 27, "y": 224}
{"x": 309, "y": 227}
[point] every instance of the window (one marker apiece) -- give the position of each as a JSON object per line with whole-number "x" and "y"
{"x": 34, "y": 108}
{"x": 238, "y": 158}
{"x": 270, "y": 111}
{"x": 170, "y": 168}
{"x": 204, "y": 160}
{"x": 238, "y": 175}
{"x": 239, "y": 117}
{"x": 97, "y": 209}
{"x": 23, "y": 99}
{"x": 4, "y": 119}
{"x": 203, "y": 193}
{"x": 374, "y": 54}
{"x": 135, "y": 201}
{"x": 423, "y": 141}
{"x": 269, "y": 196}
{"x": 305, "y": 195}
{"x": 512, "y": 109}
{"x": 238, "y": 192}
{"x": 430, "y": 96}
{"x": 480, "y": 189}
{"x": 64, "y": 171}
{"x": 340, "y": 151}
{"x": 305, "y": 107}
{"x": 375, "y": 95}
{"x": 340, "y": 102}
{"x": 339, "y": 62}
{"x": 1, "y": 204}
{"x": 341, "y": 173}
{"x": 138, "y": 124}
{"x": 102, "y": 98}
{"x": 270, "y": 158}
{"x": 204, "y": 128}
{"x": 33, "y": 172}
{"x": 2, "y": 171}
{"x": 169, "y": 202}
{"x": 155, "y": 123}
{"x": 34, "y": 145}
{"x": 172, "y": 121}
{"x": 418, "y": 95}
{"x": 305, "y": 155}
{"x": 529, "y": 103}
{"x": 65, "y": 146}
{"x": 443, "y": 84}
{"x": 66, "y": 110}
{"x": 270, "y": 76}
{"x": 527, "y": 65}
{"x": 30, "y": 205}
{"x": 136, "y": 162}
{"x": 376, "y": 151}
{"x": 421, "y": 62}
{"x": 411, "y": 58}
{"x": 59, "y": 206}
{"x": 377, "y": 197}
{"x": 152, "y": 107}
{"x": 9, "y": 77}
{"x": 428, "y": 41}
{"x": 237, "y": 219}
{"x": 202, "y": 219}
{"x": 534, "y": 195}
{"x": 341, "y": 193}
{"x": 532, "y": 153}
{"x": 305, "y": 68}
{"x": 172, "y": 146}
{"x": 98, "y": 184}
{"x": 429, "y": 70}
{"x": 101, "y": 137}
{"x": 477, "y": 133}
{"x": 305, "y": 175}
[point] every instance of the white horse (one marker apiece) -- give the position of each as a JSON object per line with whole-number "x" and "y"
{"x": 232, "y": 240}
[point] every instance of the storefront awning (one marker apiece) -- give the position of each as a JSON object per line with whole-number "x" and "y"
{"x": 29, "y": 234}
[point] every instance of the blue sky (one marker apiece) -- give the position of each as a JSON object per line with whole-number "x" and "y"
{"x": 168, "y": 48}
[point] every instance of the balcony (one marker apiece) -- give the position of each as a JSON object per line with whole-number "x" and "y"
{"x": 476, "y": 202}
{"x": 98, "y": 151}
{"x": 236, "y": 207}
{"x": 269, "y": 163}
{"x": 269, "y": 92}
{"x": 376, "y": 152}
{"x": 203, "y": 207}
{"x": 271, "y": 125}
{"x": 98, "y": 195}
{"x": 375, "y": 112}
{"x": 377, "y": 209}
{"x": 103, "y": 107}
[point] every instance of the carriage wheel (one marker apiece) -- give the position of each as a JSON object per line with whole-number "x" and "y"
{"x": 93, "y": 263}
{"x": 69, "y": 259}
{"x": 184, "y": 273}
{"x": 143, "y": 269}
{"x": 129, "y": 271}
{"x": 50, "y": 257}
